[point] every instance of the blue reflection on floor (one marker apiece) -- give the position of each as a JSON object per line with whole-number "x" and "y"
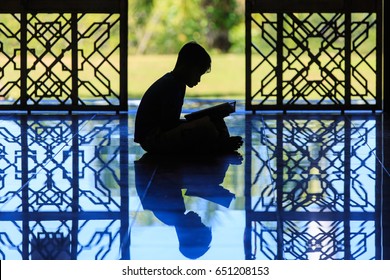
{"x": 302, "y": 187}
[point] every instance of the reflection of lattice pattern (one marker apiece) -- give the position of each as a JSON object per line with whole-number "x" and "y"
{"x": 314, "y": 240}
{"x": 102, "y": 242}
{"x": 64, "y": 60}
{"x": 10, "y": 162}
{"x": 50, "y": 179}
{"x": 319, "y": 240}
{"x": 315, "y": 175}
{"x": 11, "y": 240}
{"x": 99, "y": 158}
{"x": 72, "y": 166}
{"x": 50, "y": 246}
{"x": 314, "y": 172}
{"x": 312, "y": 60}
{"x": 314, "y": 163}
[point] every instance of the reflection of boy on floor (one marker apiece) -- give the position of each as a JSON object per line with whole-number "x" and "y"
{"x": 158, "y": 127}
{"x": 161, "y": 183}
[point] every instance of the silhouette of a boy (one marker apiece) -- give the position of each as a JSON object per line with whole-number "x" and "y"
{"x": 158, "y": 127}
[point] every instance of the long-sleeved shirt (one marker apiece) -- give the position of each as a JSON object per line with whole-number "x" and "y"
{"x": 160, "y": 107}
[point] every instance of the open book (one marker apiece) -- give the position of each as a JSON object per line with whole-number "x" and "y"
{"x": 221, "y": 110}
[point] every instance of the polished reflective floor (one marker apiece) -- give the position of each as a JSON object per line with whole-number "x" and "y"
{"x": 312, "y": 186}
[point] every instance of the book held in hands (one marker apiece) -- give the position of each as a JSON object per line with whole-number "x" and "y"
{"x": 221, "y": 110}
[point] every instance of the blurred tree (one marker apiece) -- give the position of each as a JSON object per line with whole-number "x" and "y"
{"x": 140, "y": 18}
{"x": 162, "y": 26}
{"x": 221, "y": 16}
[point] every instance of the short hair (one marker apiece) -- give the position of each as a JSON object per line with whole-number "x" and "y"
{"x": 194, "y": 55}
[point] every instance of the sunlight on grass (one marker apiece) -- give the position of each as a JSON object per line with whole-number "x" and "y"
{"x": 226, "y": 79}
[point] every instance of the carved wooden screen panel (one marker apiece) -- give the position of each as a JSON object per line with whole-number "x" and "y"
{"x": 310, "y": 55}
{"x": 63, "y": 55}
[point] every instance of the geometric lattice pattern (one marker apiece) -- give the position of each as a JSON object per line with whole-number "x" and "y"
{"x": 304, "y": 56}
{"x": 314, "y": 187}
{"x": 64, "y": 57}
{"x": 64, "y": 187}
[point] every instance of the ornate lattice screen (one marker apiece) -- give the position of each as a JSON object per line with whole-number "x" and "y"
{"x": 63, "y": 55}
{"x": 310, "y": 54}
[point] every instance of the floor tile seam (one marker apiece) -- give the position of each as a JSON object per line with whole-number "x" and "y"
{"x": 374, "y": 151}
{"x": 138, "y": 209}
{"x": 44, "y": 164}
{"x": 67, "y": 143}
{"x": 269, "y": 151}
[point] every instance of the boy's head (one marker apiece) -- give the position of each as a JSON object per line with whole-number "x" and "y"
{"x": 192, "y": 62}
{"x": 194, "y": 236}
